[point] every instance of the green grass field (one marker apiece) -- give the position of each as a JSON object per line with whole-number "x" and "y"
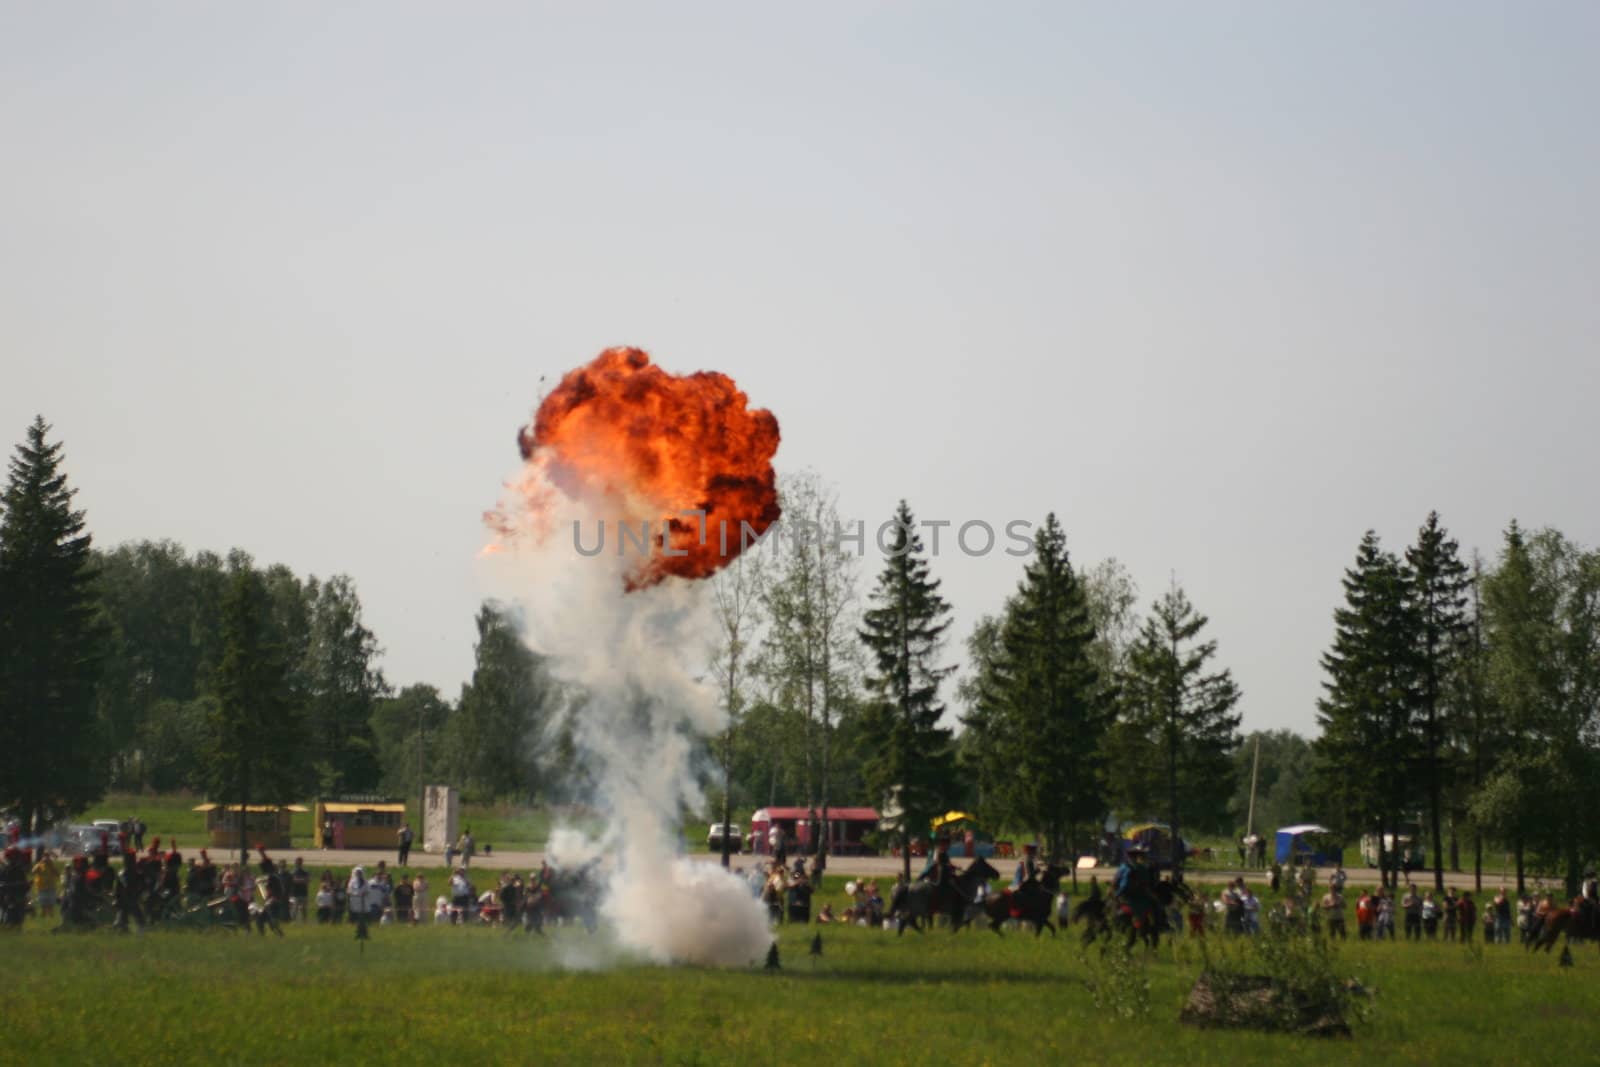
{"x": 474, "y": 995}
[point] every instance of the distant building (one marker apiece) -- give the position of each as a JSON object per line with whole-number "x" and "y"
{"x": 361, "y": 821}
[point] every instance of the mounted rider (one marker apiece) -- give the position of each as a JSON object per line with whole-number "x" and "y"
{"x": 1028, "y": 869}
{"x": 939, "y": 870}
{"x": 1134, "y": 885}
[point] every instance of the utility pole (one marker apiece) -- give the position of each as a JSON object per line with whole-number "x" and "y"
{"x": 1255, "y": 772}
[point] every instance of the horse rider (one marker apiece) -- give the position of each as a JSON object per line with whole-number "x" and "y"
{"x": 1028, "y": 869}
{"x": 1135, "y": 885}
{"x": 939, "y": 869}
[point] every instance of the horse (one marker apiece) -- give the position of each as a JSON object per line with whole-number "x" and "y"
{"x": 923, "y": 899}
{"x": 1032, "y": 902}
{"x": 1580, "y": 922}
{"x": 1150, "y": 924}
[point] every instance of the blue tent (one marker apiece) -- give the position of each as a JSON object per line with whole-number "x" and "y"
{"x": 1310, "y": 844}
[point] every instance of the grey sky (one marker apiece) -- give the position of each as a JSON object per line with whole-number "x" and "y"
{"x": 1222, "y": 284}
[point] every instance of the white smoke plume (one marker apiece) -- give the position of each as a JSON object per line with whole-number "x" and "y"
{"x": 633, "y": 656}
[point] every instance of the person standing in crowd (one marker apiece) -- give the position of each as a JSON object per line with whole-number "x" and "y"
{"x": 461, "y": 895}
{"x": 1501, "y": 907}
{"x": 419, "y": 897}
{"x": 405, "y": 844}
{"x": 1385, "y": 915}
{"x": 299, "y": 889}
{"x": 510, "y": 894}
{"x": 1197, "y": 913}
{"x": 1468, "y": 915}
{"x": 1527, "y": 924}
{"x": 1449, "y": 912}
{"x": 1430, "y": 915}
{"x": 1232, "y": 901}
{"x": 466, "y": 847}
{"x": 127, "y": 892}
{"x": 1333, "y": 912}
{"x": 325, "y": 902}
{"x": 1364, "y": 916}
{"x": 1411, "y": 904}
{"x": 775, "y": 843}
{"x": 357, "y": 894}
{"x": 404, "y": 896}
{"x": 773, "y": 890}
{"x": 46, "y": 883}
{"x": 381, "y": 891}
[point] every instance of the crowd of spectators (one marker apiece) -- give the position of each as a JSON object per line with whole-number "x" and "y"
{"x": 1381, "y": 914}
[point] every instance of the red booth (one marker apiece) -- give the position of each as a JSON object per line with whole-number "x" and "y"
{"x": 846, "y": 834}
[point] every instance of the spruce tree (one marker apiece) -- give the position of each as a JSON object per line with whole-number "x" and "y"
{"x": 1045, "y": 708}
{"x": 911, "y": 757}
{"x": 1182, "y": 714}
{"x": 1367, "y": 746}
{"x": 1438, "y": 596}
{"x": 52, "y": 757}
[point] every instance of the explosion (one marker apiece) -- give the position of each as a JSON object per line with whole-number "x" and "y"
{"x": 649, "y": 450}
{"x": 621, "y": 441}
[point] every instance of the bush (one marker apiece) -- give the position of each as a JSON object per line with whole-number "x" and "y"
{"x": 1286, "y": 979}
{"x": 1117, "y": 981}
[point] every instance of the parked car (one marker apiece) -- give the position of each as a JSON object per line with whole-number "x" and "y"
{"x": 718, "y": 831}
{"x": 86, "y": 839}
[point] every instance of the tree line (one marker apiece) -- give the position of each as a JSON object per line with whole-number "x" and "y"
{"x": 1469, "y": 693}
{"x": 1464, "y": 692}
{"x": 150, "y": 667}
{"x": 1071, "y": 708}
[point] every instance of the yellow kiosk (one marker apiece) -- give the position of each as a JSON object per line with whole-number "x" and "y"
{"x": 360, "y": 821}
{"x": 264, "y": 824}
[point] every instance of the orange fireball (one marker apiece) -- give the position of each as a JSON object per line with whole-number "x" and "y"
{"x": 643, "y": 447}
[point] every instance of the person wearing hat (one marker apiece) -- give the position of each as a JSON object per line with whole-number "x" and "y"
{"x": 1135, "y": 886}
{"x": 1028, "y": 869}
{"x": 14, "y": 883}
{"x": 939, "y": 866}
{"x": 127, "y": 892}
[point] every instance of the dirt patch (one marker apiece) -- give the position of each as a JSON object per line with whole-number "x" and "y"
{"x": 1257, "y": 1002}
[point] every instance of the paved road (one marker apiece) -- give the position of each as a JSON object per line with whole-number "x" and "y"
{"x": 872, "y": 866}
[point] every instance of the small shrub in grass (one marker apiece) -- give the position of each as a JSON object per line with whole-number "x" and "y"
{"x": 1117, "y": 981}
{"x": 1285, "y": 979}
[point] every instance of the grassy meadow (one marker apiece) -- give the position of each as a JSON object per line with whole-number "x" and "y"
{"x": 477, "y": 995}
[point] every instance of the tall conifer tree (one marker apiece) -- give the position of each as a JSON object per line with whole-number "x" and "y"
{"x": 1438, "y": 594}
{"x": 1182, "y": 714}
{"x": 52, "y": 756}
{"x": 912, "y": 759}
